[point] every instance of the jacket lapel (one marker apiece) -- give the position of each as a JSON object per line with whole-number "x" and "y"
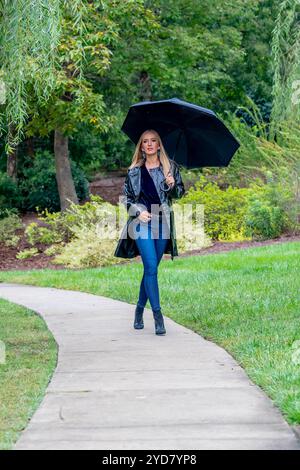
{"x": 135, "y": 175}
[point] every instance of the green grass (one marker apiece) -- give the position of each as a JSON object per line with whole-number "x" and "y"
{"x": 246, "y": 300}
{"x": 29, "y": 362}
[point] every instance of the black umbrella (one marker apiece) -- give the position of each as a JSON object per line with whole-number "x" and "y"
{"x": 193, "y": 136}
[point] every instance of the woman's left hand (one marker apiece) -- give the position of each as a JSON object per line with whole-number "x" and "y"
{"x": 170, "y": 180}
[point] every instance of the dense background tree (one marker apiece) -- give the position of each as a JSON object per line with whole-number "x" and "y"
{"x": 286, "y": 63}
{"x": 29, "y": 34}
{"x": 72, "y": 84}
{"x": 82, "y": 55}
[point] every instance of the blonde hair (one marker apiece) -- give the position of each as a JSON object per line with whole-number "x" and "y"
{"x": 137, "y": 159}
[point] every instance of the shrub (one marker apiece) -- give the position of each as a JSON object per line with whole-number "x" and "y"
{"x": 9, "y": 193}
{"x": 263, "y": 221}
{"x": 29, "y": 253}
{"x": 63, "y": 225}
{"x": 92, "y": 243}
{"x": 5, "y": 212}
{"x": 54, "y": 249}
{"x": 8, "y": 226}
{"x": 259, "y": 211}
{"x": 190, "y": 234}
{"x": 88, "y": 250}
{"x": 37, "y": 234}
{"x": 38, "y": 184}
{"x": 75, "y": 235}
{"x": 13, "y": 241}
{"x": 272, "y": 209}
{"x": 224, "y": 210}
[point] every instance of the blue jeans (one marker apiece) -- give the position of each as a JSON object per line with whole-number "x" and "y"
{"x": 151, "y": 249}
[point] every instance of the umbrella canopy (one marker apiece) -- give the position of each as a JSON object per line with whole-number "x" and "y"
{"x": 193, "y": 136}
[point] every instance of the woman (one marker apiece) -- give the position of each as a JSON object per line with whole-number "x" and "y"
{"x": 152, "y": 181}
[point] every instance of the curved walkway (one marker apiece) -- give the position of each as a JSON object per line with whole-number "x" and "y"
{"x": 119, "y": 388}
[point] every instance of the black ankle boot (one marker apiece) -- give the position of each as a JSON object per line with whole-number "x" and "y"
{"x": 138, "y": 319}
{"x": 159, "y": 322}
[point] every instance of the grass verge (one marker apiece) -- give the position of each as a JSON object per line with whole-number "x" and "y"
{"x": 29, "y": 359}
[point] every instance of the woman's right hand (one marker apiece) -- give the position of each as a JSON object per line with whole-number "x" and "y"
{"x": 144, "y": 216}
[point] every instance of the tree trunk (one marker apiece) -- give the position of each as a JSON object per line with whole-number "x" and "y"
{"x": 12, "y": 160}
{"x": 30, "y": 146}
{"x": 145, "y": 86}
{"x": 65, "y": 183}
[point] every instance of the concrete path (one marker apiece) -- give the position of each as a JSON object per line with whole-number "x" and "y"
{"x": 119, "y": 388}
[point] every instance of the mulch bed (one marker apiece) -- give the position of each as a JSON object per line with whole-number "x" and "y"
{"x": 220, "y": 247}
{"x": 8, "y": 260}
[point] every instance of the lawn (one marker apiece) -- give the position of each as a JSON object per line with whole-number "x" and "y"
{"x": 245, "y": 300}
{"x": 29, "y": 362}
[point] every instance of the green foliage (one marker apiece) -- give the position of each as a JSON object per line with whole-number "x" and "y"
{"x": 8, "y": 226}
{"x": 88, "y": 250}
{"x": 13, "y": 241}
{"x": 274, "y": 162}
{"x": 58, "y": 223}
{"x": 263, "y": 221}
{"x": 224, "y": 210}
{"x": 272, "y": 210}
{"x": 258, "y": 211}
{"x": 199, "y": 43}
{"x": 28, "y": 253}
{"x": 260, "y": 153}
{"x": 78, "y": 226}
{"x": 286, "y": 63}
{"x": 75, "y": 235}
{"x": 54, "y": 249}
{"x": 64, "y": 224}
{"x": 222, "y": 50}
{"x": 190, "y": 234}
{"x": 4, "y": 212}
{"x": 29, "y": 35}
{"x": 107, "y": 55}
{"x": 9, "y": 194}
{"x": 83, "y": 60}
{"x": 37, "y": 234}
{"x": 87, "y": 149}
{"x": 38, "y": 185}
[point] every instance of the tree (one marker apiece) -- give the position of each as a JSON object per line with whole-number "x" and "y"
{"x": 286, "y": 63}
{"x": 88, "y": 31}
{"x": 29, "y": 33}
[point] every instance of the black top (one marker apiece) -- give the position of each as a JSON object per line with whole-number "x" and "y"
{"x": 148, "y": 194}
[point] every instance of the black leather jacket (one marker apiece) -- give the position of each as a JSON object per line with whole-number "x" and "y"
{"x": 132, "y": 188}
{"x": 126, "y": 246}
